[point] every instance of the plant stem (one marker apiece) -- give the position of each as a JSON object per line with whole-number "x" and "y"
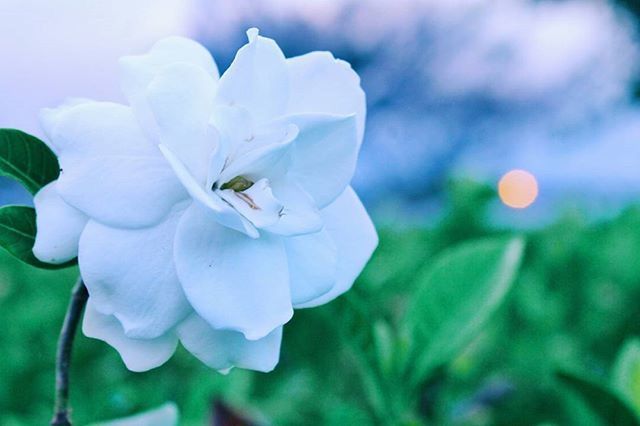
{"x": 79, "y": 296}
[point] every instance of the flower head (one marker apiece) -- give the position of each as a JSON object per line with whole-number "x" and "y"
{"x": 210, "y": 207}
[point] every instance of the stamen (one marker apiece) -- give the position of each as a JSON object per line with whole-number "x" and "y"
{"x": 244, "y": 197}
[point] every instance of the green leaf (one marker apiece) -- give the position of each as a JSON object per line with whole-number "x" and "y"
{"x": 383, "y": 340}
{"x": 456, "y": 297}
{"x": 27, "y": 159}
{"x": 18, "y": 234}
{"x": 611, "y": 409}
{"x": 626, "y": 373}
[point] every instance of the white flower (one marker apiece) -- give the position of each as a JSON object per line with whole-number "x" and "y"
{"x": 211, "y": 206}
{"x": 165, "y": 415}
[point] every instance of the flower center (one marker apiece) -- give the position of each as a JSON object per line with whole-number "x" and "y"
{"x": 239, "y": 184}
{"x": 252, "y": 199}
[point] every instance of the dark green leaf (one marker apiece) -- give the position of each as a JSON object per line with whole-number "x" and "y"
{"x": 605, "y": 403}
{"x": 18, "y": 233}
{"x": 27, "y": 159}
{"x": 455, "y": 298}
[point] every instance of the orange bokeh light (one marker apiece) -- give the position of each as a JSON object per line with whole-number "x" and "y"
{"x": 518, "y": 189}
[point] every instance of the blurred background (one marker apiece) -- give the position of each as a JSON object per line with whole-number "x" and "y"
{"x": 459, "y": 93}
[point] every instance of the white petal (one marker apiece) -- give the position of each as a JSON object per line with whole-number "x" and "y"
{"x": 350, "y": 227}
{"x": 257, "y": 203}
{"x": 58, "y": 227}
{"x": 224, "y": 349}
{"x": 137, "y": 354}
{"x": 267, "y": 154}
{"x": 95, "y": 128}
{"x": 216, "y": 163}
{"x": 165, "y": 415}
{"x": 312, "y": 265}
{"x": 299, "y": 214}
{"x": 130, "y": 274}
{"x": 232, "y": 281}
{"x": 235, "y": 126}
{"x": 120, "y": 191}
{"x": 49, "y": 118}
{"x": 218, "y": 209}
{"x": 181, "y": 100}
{"x": 322, "y": 84}
{"x": 257, "y": 79}
{"x": 136, "y": 72}
{"x": 324, "y": 154}
{"x": 110, "y": 170}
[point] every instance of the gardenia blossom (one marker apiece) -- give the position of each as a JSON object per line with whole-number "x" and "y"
{"x": 211, "y": 206}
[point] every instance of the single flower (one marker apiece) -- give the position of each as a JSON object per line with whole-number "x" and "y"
{"x": 210, "y": 207}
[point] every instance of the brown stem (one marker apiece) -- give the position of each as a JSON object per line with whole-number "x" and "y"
{"x": 79, "y": 296}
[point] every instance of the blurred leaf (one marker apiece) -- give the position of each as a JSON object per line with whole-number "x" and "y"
{"x": 605, "y": 403}
{"x": 27, "y": 159}
{"x": 384, "y": 343}
{"x": 456, "y": 296}
{"x": 165, "y": 415}
{"x": 626, "y": 373}
{"x": 18, "y": 234}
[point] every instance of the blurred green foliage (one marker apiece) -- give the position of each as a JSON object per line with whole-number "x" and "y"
{"x": 573, "y": 305}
